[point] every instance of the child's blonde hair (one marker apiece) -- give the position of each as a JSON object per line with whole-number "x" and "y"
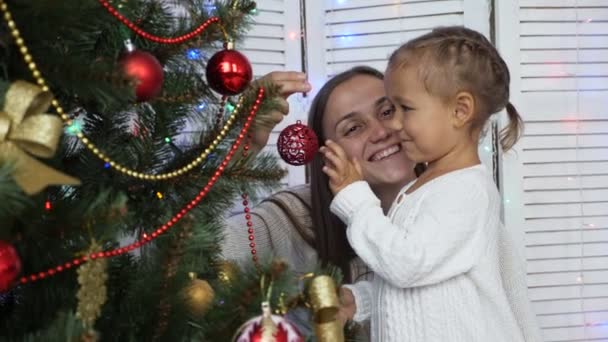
{"x": 454, "y": 59}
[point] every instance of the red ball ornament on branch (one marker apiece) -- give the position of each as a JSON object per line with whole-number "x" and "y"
{"x": 268, "y": 328}
{"x": 10, "y": 265}
{"x": 297, "y": 144}
{"x": 145, "y": 69}
{"x": 228, "y": 72}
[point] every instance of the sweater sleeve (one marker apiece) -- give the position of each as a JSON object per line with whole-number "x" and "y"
{"x": 235, "y": 245}
{"x": 513, "y": 274}
{"x": 362, "y": 291}
{"x": 444, "y": 238}
{"x": 281, "y": 225}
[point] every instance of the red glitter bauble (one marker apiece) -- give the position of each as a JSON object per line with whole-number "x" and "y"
{"x": 274, "y": 328}
{"x": 297, "y": 144}
{"x": 229, "y": 72}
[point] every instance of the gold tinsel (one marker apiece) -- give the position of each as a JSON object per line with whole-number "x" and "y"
{"x": 92, "y": 293}
{"x": 228, "y": 272}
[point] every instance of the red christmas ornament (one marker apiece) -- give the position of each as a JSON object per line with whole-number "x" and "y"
{"x": 10, "y": 265}
{"x": 145, "y": 69}
{"x": 229, "y": 72}
{"x": 268, "y": 328}
{"x": 297, "y": 144}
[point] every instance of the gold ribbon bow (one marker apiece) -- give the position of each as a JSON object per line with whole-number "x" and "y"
{"x": 25, "y": 130}
{"x": 325, "y": 306}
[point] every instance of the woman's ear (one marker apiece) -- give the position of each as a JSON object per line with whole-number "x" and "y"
{"x": 464, "y": 109}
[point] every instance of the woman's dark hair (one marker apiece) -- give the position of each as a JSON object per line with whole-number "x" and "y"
{"x": 330, "y": 233}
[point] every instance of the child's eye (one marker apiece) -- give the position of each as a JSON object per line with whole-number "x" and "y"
{"x": 406, "y": 108}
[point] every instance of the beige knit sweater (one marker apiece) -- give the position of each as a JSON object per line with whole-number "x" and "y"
{"x": 282, "y": 228}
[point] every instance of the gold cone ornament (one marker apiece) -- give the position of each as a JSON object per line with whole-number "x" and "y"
{"x": 325, "y": 306}
{"x": 25, "y": 132}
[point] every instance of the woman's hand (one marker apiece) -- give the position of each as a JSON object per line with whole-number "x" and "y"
{"x": 347, "y": 306}
{"x": 340, "y": 170}
{"x": 290, "y": 82}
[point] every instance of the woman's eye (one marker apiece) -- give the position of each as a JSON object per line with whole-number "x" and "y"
{"x": 352, "y": 129}
{"x": 388, "y": 111}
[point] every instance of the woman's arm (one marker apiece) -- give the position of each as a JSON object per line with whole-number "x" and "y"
{"x": 282, "y": 229}
{"x": 289, "y": 82}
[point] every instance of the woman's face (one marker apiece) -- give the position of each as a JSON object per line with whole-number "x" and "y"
{"x": 359, "y": 118}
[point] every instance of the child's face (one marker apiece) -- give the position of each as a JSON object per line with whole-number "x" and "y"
{"x": 427, "y": 130}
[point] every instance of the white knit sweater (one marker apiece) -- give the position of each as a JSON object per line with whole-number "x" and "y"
{"x": 446, "y": 268}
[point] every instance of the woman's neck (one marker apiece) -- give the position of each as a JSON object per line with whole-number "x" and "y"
{"x": 387, "y": 195}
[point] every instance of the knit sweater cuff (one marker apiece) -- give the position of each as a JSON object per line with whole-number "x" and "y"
{"x": 351, "y": 198}
{"x": 362, "y": 292}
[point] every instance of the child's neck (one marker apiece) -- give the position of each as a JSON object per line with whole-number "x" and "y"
{"x": 454, "y": 160}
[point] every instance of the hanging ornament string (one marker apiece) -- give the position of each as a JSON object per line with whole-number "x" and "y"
{"x": 167, "y": 225}
{"x": 29, "y": 60}
{"x": 162, "y": 40}
{"x": 247, "y": 212}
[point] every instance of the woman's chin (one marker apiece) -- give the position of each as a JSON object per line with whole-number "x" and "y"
{"x": 394, "y": 175}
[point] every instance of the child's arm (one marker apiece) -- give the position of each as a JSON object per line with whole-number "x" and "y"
{"x": 362, "y": 294}
{"x": 444, "y": 239}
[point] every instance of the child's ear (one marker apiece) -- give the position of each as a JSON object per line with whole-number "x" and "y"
{"x": 464, "y": 109}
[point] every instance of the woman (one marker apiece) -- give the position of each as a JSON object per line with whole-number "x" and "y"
{"x": 295, "y": 224}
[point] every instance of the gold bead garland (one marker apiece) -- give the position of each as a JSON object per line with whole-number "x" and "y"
{"x": 29, "y": 60}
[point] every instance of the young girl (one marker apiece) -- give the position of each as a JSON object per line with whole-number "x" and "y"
{"x": 444, "y": 263}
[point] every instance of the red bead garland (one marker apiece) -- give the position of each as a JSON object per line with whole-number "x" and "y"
{"x": 247, "y": 212}
{"x": 167, "y": 225}
{"x": 177, "y": 40}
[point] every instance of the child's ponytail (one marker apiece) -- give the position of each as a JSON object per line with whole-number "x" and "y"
{"x": 511, "y": 133}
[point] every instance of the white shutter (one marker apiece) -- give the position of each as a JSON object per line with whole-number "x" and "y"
{"x": 367, "y": 32}
{"x": 271, "y": 44}
{"x": 556, "y": 184}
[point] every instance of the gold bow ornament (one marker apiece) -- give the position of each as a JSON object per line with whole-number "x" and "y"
{"x": 323, "y": 298}
{"x": 25, "y": 130}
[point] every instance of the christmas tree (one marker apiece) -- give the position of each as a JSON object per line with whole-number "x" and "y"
{"x": 115, "y": 234}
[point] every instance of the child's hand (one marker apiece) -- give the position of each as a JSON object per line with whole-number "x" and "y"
{"x": 348, "y": 308}
{"x": 340, "y": 170}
